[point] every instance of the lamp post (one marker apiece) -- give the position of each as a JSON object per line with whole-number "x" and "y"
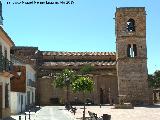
{"x": 84, "y": 111}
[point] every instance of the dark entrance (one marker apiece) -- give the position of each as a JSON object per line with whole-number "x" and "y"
{"x": 21, "y": 102}
{"x": 101, "y": 96}
{"x": 1, "y": 101}
{"x": 28, "y": 97}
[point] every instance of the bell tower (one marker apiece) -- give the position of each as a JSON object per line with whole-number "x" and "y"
{"x": 1, "y": 18}
{"x": 132, "y": 73}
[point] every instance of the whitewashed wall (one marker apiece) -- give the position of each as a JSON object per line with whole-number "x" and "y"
{"x": 16, "y": 102}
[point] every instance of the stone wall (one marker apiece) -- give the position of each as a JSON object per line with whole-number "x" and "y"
{"x": 47, "y": 91}
{"x": 109, "y": 85}
{"x": 133, "y": 82}
{"x": 132, "y": 70}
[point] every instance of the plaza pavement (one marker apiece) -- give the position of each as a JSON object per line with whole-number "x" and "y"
{"x": 59, "y": 113}
{"x": 45, "y": 113}
{"x": 138, "y": 113}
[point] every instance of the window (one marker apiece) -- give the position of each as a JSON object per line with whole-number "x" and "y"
{"x": 32, "y": 97}
{"x": 5, "y": 53}
{"x": 131, "y": 50}
{"x": 1, "y": 62}
{"x": 131, "y": 25}
{"x": 21, "y": 99}
{"x": 5, "y": 56}
{"x": 135, "y": 49}
{"x": 0, "y": 49}
{"x": 128, "y": 50}
{"x": 6, "y": 96}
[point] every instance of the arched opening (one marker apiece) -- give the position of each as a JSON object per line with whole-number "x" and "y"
{"x": 131, "y": 25}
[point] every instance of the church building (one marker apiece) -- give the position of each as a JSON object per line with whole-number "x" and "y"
{"x": 117, "y": 74}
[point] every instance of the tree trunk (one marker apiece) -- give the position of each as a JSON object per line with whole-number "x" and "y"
{"x": 84, "y": 111}
{"x": 67, "y": 94}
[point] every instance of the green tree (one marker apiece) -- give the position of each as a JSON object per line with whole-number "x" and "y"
{"x": 154, "y": 80}
{"x": 65, "y": 80}
{"x": 83, "y": 84}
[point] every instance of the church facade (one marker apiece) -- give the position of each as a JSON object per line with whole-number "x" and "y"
{"x": 117, "y": 74}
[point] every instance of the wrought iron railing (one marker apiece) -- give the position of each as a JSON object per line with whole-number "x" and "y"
{"x": 5, "y": 64}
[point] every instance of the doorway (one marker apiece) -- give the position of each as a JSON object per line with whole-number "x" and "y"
{"x": 0, "y": 101}
{"x": 101, "y": 96}
{"x": 21, "y": 103}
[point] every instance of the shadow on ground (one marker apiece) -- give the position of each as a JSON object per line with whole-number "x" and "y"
{"x": 33, "y": 109}
{"x": 153, "y": 106}
{"x": 9, "y": 118}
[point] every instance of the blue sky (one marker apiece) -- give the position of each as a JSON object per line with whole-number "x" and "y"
{"x": 86, "y": 25}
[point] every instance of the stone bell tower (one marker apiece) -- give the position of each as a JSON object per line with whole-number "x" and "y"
{"x": 132, "y": 73}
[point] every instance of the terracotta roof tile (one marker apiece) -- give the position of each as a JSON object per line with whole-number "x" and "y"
{"x": 52, "y": 53}
{"x": 79, "y": 63}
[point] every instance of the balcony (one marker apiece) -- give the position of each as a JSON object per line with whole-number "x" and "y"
{"x": 31, "y": 83}
{"x": 6, "y": 66}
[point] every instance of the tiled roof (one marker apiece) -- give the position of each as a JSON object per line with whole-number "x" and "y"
{"x": 9, "y": 39}
{"x": 51, "y": 53}
{"x": 25, "y": 47}
{"x": 22, "y": 59}
{"x": 51, "y": 64}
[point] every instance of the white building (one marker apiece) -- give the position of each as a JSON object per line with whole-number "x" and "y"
{"x": 30, "y": 78}
{"x": 22, "y": 94}
{"x": 18, "y": 102}
{"x": 5, "y": 73}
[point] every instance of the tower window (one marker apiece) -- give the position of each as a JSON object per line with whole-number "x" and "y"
{"x": 131, "y": 25}
{"x": 135, "y": 50}
{"x": 128, "y": 50}
{"x": 131, "y": 50}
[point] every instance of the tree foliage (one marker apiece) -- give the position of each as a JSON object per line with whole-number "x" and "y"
{"x": 65, "y": 78}
{"x": 82, "y": 84}
{"x": 78, "y": 82}
{"x": 154, "y": 80}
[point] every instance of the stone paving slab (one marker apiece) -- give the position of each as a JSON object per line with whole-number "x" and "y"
{"x": 138, "y": 113}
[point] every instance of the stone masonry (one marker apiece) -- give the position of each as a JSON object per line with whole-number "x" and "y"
{"x": 132, "y": 54}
